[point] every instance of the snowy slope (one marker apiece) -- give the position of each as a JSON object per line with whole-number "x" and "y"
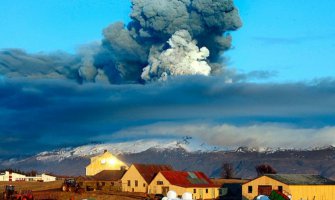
{"x": 90, "y": 150}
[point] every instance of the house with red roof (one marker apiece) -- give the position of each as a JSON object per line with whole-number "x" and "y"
{"x": 139, "y": 176}
{"x": 196, "y": 183}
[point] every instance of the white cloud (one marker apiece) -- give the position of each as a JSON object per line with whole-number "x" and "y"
{"x": 231, "y": 136}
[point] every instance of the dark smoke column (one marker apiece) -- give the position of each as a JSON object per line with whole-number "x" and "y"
{"x": 184, "y": 29}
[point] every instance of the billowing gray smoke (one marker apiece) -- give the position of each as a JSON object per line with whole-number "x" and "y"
{"x": 16, "y": 63}
{"x": 165, "y": 38}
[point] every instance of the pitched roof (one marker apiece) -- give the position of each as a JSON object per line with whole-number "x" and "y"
{"x": 148, "y": 172}
{"x": 301, "y": 179}
{"x": 188, "y": 179}
{"x": 222, "y": 181}
{"x": 109, "y": 175}
{"x": 85, "y": 178}
{"x": 106, "y": 175}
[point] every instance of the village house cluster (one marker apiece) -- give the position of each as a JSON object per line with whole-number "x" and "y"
{"x": 150, "y": 178}
{"x": 107, "y": 172}
{"x": 155, "y": 179}
{"x": 159, "y": 179}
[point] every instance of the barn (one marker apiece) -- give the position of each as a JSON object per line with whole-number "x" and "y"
{"x": 294, "y": 186}
{"x": 106, "y": 161}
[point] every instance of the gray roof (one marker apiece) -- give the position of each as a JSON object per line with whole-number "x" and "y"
{"x": 301, "y": 179}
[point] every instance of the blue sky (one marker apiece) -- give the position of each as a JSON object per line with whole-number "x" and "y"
{"x": 43, "y": 81}
{"x": 49, "y": 25}
{"x": 294, "y": 38}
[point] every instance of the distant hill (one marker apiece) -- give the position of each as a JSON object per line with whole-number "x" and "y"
{"x": 184, "y": 156}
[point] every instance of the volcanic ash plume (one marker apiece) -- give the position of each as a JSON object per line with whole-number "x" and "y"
{"x": 139, "y": 50}
{"x": 182, "y": 58}
{"x": 159, "y": 41}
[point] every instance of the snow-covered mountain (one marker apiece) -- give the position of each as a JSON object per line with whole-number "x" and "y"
{"x": 187, "y": 143}
{"x": 185, "y": 154}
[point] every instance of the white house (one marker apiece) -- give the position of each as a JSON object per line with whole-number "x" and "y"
{"x": 11, "y": 176}
{"x": 41, "y": 178}
{"x": 48, "y": 178}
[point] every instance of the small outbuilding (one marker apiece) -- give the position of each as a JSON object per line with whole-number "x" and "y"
{"x": 293, "y": 186}
{"x": 230, "y": 189}
{"x": 108, "y": 180}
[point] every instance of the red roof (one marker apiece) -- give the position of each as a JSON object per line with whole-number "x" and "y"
{"x": 148, "y": 172}
{"x": 188, "y": 179}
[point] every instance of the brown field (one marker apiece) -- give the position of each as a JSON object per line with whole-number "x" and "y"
{"x": 34, "y": 186}
{"x": 51, "y": 190}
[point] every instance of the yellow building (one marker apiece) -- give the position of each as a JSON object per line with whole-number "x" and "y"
{"x": 139, "y": 176}
{"x": 106, "y": 161}
{"x": 196, "y": 183}
{"x": 295, "y": 186}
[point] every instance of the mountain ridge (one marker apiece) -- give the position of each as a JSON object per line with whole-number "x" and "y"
{"x": 183, "y": 155}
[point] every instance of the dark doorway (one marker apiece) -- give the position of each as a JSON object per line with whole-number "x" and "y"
{"x": 264, "y": 190}
{"x": 165, "y": 190}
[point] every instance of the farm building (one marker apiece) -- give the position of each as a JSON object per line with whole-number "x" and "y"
{"x": 295, "y": 186}
{"x": 108, "y": 180}
{"x": 196, "y": 183}
{"x": 11, "y": 176}
{"x": 106, "y": 161}
{"x": 139, "y": 176}
{"x": 41, "y": 178}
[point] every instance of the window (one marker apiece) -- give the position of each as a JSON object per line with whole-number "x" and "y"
{"x": 280, "y": 188}
{"x": 194, "y": 191}
{"x": 206, "y": 191}
{"x": 249, "y": 189}
{"x": 129, "y": 183}
{"x": 160, "y": 183}
{"x": 143, "y": 184}
{"x": 136, "y": 183}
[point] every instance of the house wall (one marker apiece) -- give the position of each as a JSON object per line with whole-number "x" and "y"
{"x": 197, "y": 193}
{"x": 48, "y": 178}
{"x": 154, "y": 188}
{"x": 133, "y": 175}
{"x": 103, "y": 162}
{"x": 42, "y": 177}
{"x": 99, "y": 185}
{"x": 312, "y": 192}
{"x": 261, "y": 181}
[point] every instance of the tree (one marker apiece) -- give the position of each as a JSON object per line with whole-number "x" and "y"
{"x": 32, "y": 173}
{"x": 227, "y": 171}
{"x": 265, "y": 169}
